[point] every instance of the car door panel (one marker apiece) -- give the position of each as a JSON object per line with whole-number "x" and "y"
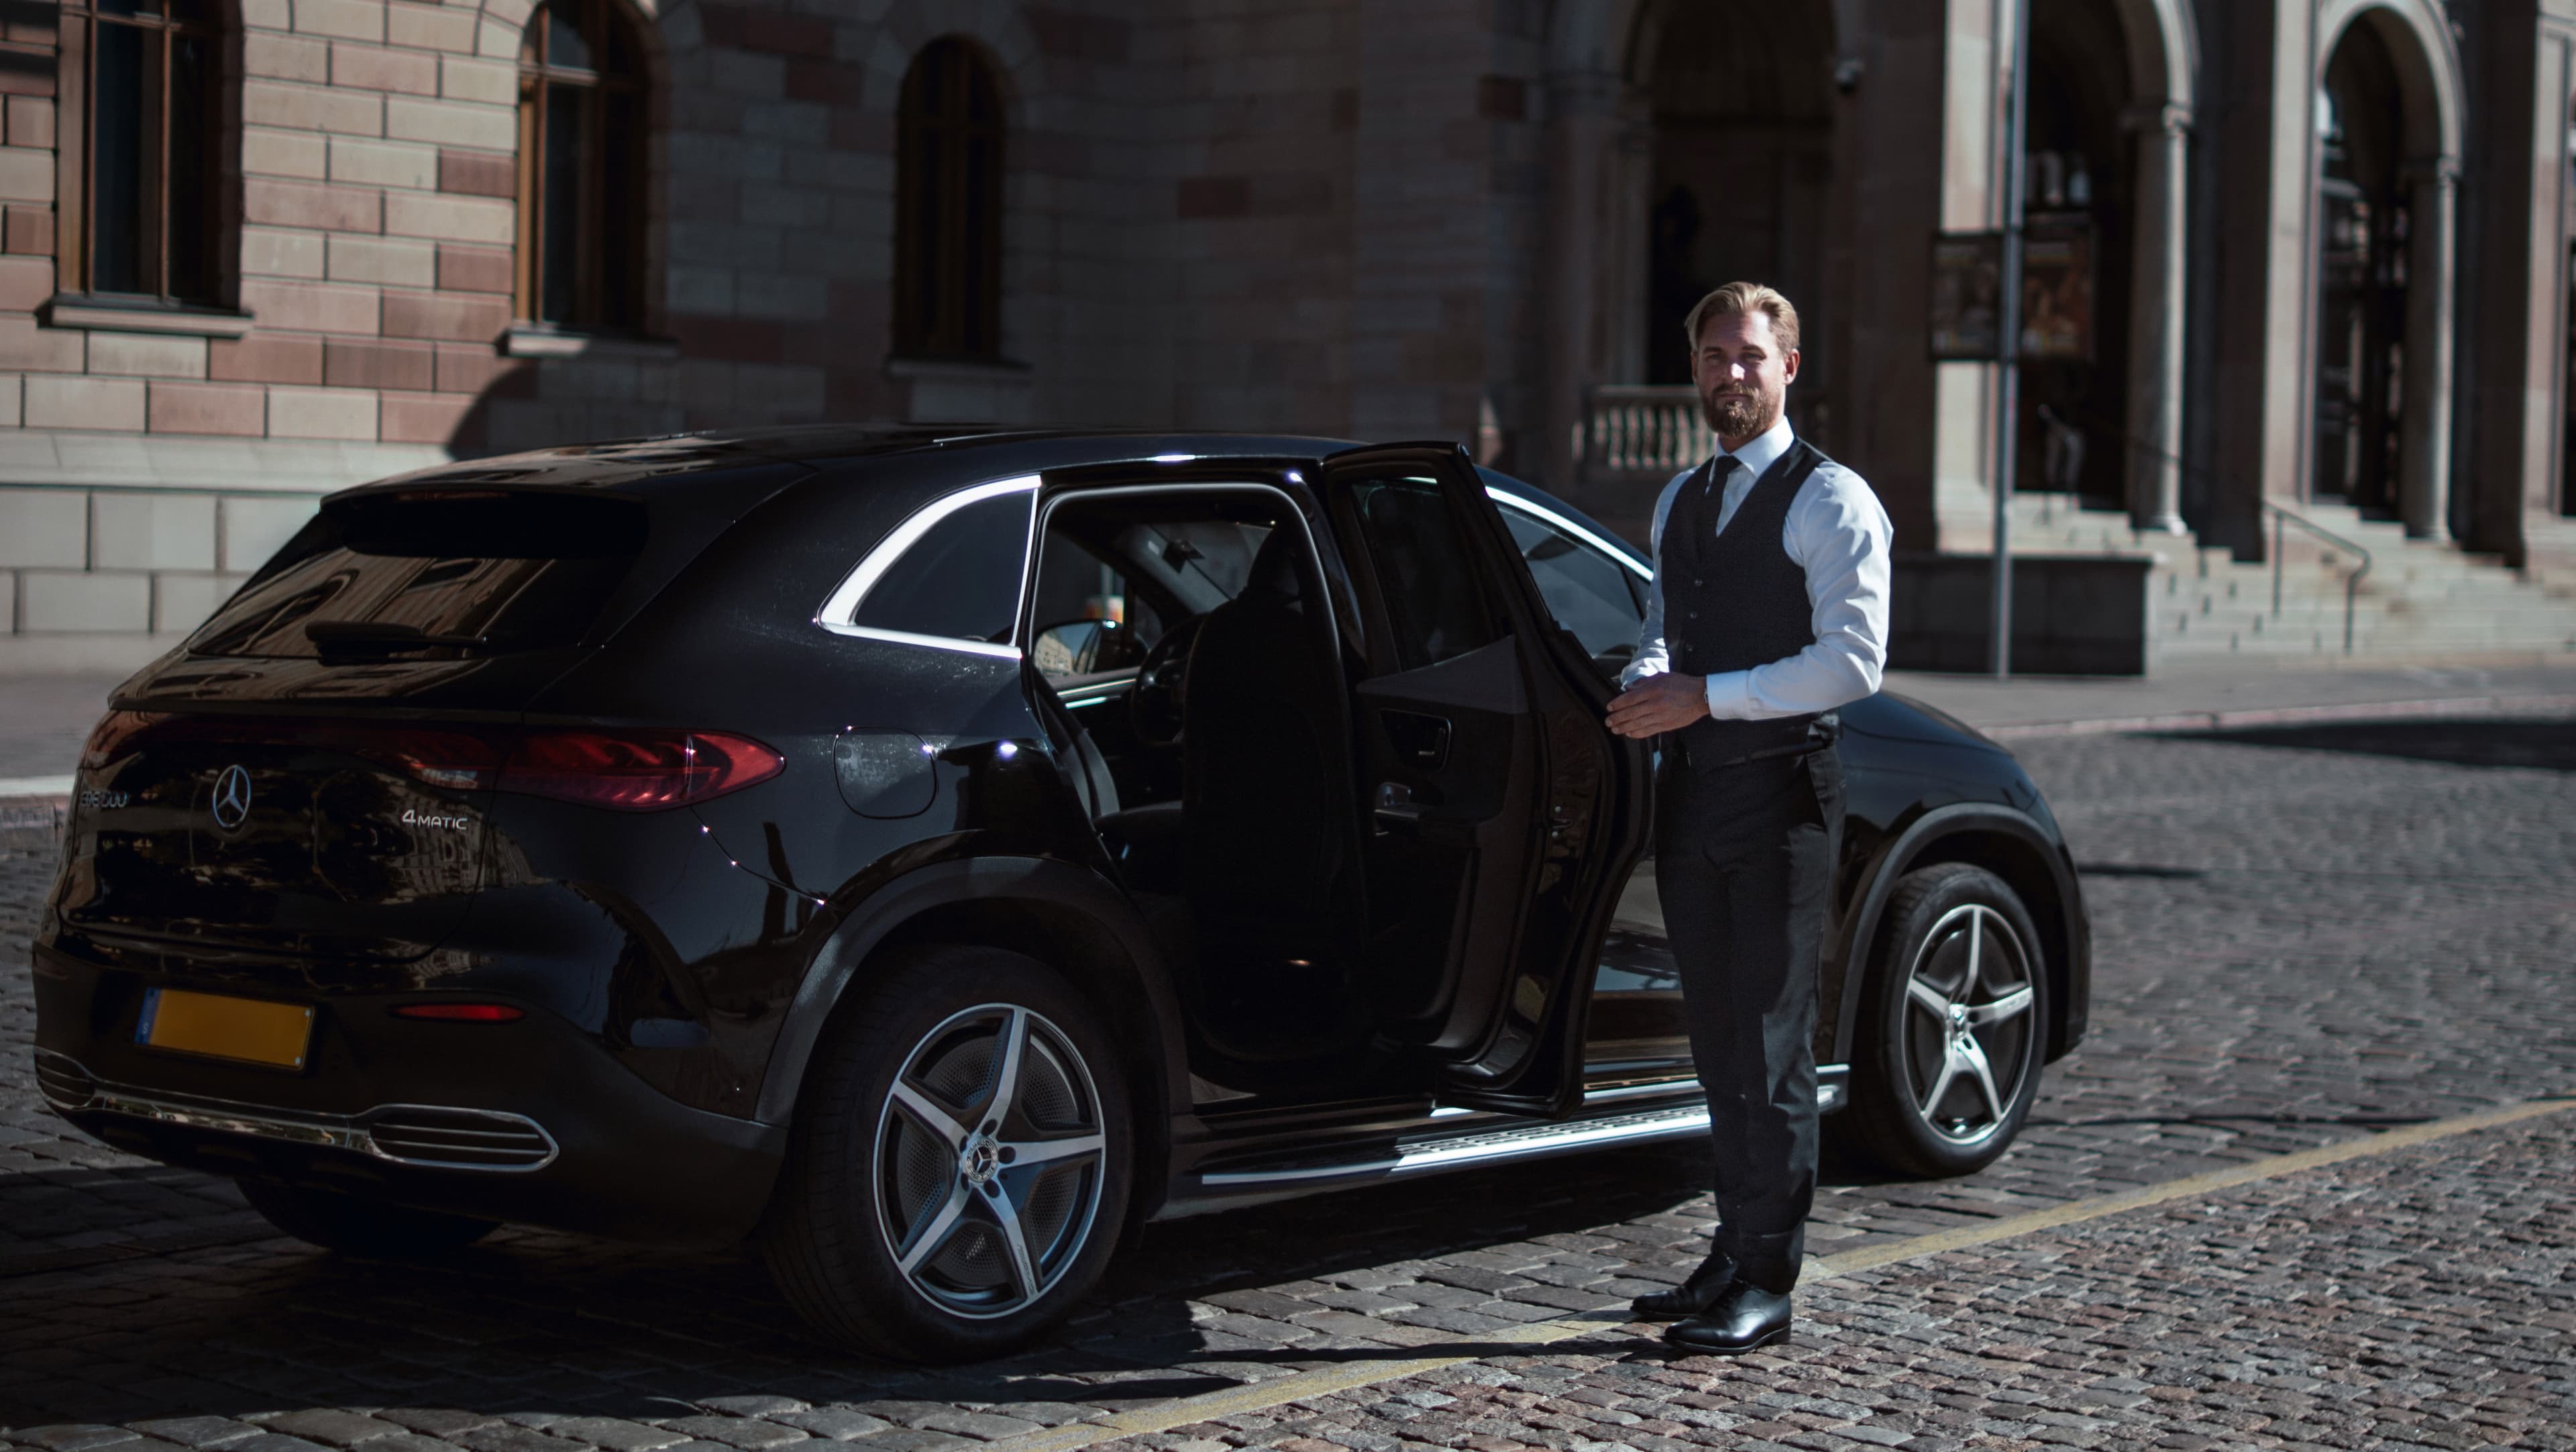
{"x": 1597, "y": 596}
{"x": 1444, "y": 747}
{"x": 1504, "y": 852}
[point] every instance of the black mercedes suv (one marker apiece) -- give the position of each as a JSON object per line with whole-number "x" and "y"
{"x": 931, "y": 855}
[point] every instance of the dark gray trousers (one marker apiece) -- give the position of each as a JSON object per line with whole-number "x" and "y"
{"x": 1743, "y": 862}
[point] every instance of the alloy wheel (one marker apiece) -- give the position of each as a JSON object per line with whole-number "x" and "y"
{"x": 1969, "y": 1031}
{"x": 991, "y": 1152}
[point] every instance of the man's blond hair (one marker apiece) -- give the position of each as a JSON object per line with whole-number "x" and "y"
{"x": 1738, "y": 299}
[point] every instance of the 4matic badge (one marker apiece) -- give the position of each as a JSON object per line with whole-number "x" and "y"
{"x": 431, "y": 819}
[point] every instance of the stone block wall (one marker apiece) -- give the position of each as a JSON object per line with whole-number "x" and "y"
{"x": 372, "y": 189}
{"x": 137, "y": 566}
{"x": 1321, "y": 216}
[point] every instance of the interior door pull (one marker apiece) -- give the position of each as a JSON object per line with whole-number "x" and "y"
{"x": 1396, "y": 806}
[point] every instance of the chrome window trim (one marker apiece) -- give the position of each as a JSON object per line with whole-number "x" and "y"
{"x": 934, "y": 642}
{"x": 1305, "y": 527}
{"x": 838, "y": 611}
{"x": 1550, "y": 517}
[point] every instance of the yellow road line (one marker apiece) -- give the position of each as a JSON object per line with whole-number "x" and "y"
{"x": 1963, "y": 1236}
{"x": 1264, "y": 1395}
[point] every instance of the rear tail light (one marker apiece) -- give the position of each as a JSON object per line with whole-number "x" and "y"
{"x": 637, "y": 771}
{"x": 461, "y": 1012}
{"x": 627, "y": 771}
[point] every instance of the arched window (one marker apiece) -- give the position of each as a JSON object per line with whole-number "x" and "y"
{"x": 948, "y": 206}
{"x": 582, "y": 129}
{"x": 140, "y": 104}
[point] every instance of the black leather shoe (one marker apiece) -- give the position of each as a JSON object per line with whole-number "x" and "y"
{"x": 1690, "y": 1297}
{"x": 1744, "y": 1317}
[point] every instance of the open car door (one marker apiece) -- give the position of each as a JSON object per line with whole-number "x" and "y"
{"x": 1505, "y": 817}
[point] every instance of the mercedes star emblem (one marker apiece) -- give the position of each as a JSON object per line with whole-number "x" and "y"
{"x": 232, "y": 798}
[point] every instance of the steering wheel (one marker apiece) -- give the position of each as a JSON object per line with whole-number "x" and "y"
{"x": 1161, "y": 691}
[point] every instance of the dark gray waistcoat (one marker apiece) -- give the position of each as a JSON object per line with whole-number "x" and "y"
{"x": 1735, "y": 600}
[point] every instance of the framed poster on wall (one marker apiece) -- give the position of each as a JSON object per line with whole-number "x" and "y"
{"x": 2057, "y": 288}
{"x": 1967, "y": 296}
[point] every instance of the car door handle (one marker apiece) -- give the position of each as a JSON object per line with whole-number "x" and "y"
{"x": 1419, "y": 738}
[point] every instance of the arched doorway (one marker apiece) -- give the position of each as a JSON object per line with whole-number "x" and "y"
{"x": 2075, "y": 429}
{"x": 2361, "y": 276}
{"x": 2565, "y": 499}
{"x": 2106, "y": 151}
{"x": 1741, "y": 99}
{"x": 2386, "y": 134}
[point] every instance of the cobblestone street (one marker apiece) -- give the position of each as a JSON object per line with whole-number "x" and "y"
{"x": 2304, "y": 936}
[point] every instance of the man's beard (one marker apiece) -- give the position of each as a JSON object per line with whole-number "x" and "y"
{"x": 1739, "y": 416}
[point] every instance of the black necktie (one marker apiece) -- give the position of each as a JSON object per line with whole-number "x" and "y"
{"x": 1704, "y": 501}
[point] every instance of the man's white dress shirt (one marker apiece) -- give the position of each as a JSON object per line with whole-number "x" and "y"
{"x": 1839, "y": 535}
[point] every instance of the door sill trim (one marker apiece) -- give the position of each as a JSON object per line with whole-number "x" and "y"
{"x": 1833, "y": 1089}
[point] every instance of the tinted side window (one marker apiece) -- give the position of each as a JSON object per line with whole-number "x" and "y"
{"x": 1590, "y": 593}
{"x": 1421, "y": 564}
{"x": 961, "y": 580}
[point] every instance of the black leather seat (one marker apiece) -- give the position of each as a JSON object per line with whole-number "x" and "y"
{"x": 1271, "y": 853}
{"x": 1146, "y": 843}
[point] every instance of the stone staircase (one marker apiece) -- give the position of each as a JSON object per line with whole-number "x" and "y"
{"x": 2421, "y": 599}
{"x": 2550, "y": 561}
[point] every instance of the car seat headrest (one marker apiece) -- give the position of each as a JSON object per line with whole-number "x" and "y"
{"x": 1277, "y": 577}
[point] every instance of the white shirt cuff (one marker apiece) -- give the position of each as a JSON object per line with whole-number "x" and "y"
{"x": 1730, "y": 695}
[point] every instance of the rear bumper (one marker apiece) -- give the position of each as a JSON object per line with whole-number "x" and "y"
{"x": 532, "y": 1121}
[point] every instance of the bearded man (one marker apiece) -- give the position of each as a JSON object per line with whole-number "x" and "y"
{"x": 1769, "y": 610}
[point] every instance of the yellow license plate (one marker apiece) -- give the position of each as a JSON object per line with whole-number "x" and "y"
{"x": 248, "y": 1030}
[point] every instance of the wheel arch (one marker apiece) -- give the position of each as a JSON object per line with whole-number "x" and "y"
{"x": 1060, "y": 914}
{"x": 2030, "y": 861}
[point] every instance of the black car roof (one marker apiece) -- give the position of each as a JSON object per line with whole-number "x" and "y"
{"x": 627, "y": 461}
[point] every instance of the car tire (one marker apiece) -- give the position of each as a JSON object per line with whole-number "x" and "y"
{"x": 354, "y": 1225}
{"x": 912, "y": 1220}
{"x": 1953, "y": 1024}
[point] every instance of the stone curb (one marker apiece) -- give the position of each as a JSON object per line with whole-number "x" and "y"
{"x": 33, "y": 823}
{"x": 2454, "y": 706}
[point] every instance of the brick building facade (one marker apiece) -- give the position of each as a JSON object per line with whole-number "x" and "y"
{"x": 259, "y": 249}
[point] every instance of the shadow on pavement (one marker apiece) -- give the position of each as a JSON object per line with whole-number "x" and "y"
{"x": 2139, "y": 869}
{"x": 2548, "y": 745}
{"x": 534, "y": 1320}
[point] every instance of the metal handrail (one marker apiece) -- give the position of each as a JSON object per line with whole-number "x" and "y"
{"x": 2283, "y": 516}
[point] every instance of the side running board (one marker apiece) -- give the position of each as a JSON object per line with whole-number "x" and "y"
{"x": 1496, "y": 1144}
{"x": 1491, "y": 1147}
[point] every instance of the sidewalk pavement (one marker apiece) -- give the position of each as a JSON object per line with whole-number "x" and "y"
{"x": 44, "y": 719}
{"x": 2209, "y": 695}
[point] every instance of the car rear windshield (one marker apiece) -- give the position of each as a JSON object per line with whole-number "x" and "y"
{"x": 444, "y": 575}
